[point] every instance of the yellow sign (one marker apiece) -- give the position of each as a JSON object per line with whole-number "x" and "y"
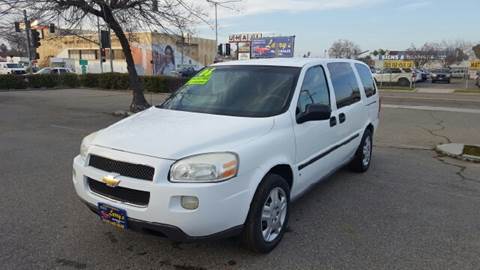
{"x": 398, "y": 64}
{"x": 475, "y": 64}
{"x": 202, "y": 78}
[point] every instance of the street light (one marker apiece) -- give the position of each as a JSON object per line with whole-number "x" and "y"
{"x": 222, "y": 4}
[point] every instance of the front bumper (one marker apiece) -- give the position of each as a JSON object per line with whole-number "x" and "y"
{"x": 171, "y": 232}
{"x": 223, "y": 207}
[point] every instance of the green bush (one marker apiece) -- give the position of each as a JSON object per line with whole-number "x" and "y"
{"x": 70, "y": 80}
{"x": 43, "y": 80}
{"x": 89, "y": 80}
{"x": 115, "y": 81}
{"x": 12, "y": 82}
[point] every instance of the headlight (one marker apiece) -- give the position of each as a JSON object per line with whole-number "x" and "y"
{"x": 86, "y": 142}
{"x": 205, "y": 168}
{"x": 434, "y": 75}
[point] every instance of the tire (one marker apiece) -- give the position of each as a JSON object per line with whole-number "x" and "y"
{"x": 403, "y": 82}
{"x": 363, "y": 156}
{"x": 448, "y": 81}
{"x": 253, "y": 233}
{"x": 433, "y": 81}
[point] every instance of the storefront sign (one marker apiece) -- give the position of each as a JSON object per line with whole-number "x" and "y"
{"x": 475, "y": 64}
{"x": 398, "y": 64}
{"x": 246, "y": 37}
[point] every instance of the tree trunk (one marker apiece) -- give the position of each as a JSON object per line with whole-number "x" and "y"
{"x": 139, "y": 103}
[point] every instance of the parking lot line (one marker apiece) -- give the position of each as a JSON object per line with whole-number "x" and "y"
{"x": 431, "y": 108}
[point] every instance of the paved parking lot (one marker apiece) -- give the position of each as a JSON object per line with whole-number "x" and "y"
{"x": 412, "y": 210}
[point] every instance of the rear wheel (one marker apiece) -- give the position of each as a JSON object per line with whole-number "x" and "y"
{"x": 403, "y": 82}
{"x": 268, "y": 216}
{"x": 363, "y": 156}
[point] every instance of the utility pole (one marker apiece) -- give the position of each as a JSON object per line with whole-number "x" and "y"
{"x": 100, "y": 45}
{"x": 27, "y": 32}
{"x": 222, "y": 4}
{"x": 111, "y": 51}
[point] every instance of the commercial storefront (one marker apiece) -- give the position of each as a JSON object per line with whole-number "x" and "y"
{"x": 153, "y": 53}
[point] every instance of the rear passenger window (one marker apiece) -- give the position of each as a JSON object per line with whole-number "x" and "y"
{"x": 344, "y": 84}
{"x": 367, "y": 80}
{"x": 314, "y": 89}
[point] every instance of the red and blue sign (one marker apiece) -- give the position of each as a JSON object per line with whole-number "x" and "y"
{"x": 272, "y": 47}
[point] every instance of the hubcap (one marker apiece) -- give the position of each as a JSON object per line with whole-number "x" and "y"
{"x": 273, "y": 214}
{"x": 367, "y": 151}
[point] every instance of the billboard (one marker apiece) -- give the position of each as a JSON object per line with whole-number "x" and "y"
{"x": 271, "y": 47}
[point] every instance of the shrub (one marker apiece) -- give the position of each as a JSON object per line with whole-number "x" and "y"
{"x": 12, "y": 82}
{"x": 69, "y": 80}
{"x": 43, "y": 80}
{"x": 89, "y": 80}
{"x": 116, "y": 81}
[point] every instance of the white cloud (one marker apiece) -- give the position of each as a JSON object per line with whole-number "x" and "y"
{"x": 252, "y": 7}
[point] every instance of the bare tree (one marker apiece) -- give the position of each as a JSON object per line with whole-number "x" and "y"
{"x": 344, "y": 49}
{"x": 425, "y": 54}
{"x": 120, "y": 15}
{"x": 476, "y": 50}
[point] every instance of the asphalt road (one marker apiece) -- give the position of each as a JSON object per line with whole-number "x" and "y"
{"x": 411, "y": 210}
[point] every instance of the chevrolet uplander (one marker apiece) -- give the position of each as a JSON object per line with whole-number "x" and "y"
{"x": 227, "y": 153}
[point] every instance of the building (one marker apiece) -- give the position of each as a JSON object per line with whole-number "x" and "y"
{"x": 153, "y": 53}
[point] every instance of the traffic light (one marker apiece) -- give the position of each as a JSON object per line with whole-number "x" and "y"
{"x": 220, "y": 49}
{"x": 17, "y": 27}
{"x": 103, "y": 55}
{"x": 52, "y": 28}
{"x": 227, "y": 49}
{"x": 105, "y": 39}
{"x": 35, "y": 39}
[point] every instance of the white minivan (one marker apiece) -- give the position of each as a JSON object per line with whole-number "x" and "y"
{"x": 229, "y": 151}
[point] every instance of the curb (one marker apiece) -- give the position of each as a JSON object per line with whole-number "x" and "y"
{"x": 456, "y": 151}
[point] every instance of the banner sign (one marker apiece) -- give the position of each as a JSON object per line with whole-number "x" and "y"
{"x": 475, "y": 64}
{"x": 270, "y": 47}
{"x": 398, "y": 64}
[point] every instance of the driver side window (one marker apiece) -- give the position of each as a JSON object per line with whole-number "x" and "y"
{"x": 314, "y": 89}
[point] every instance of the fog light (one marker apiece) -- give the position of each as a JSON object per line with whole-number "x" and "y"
{"x": 189, "y": 202}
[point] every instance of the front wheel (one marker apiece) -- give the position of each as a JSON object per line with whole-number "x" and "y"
{"x": 363, "y": 156}
{"x": 268, "y": 216}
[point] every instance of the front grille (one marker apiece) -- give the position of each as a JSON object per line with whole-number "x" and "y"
{"x": 123, "y": 168}
{"x": 122, "y": 194}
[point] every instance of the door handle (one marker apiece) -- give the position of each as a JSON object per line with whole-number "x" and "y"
{"x": 333, "y": 121}
{"x": 342, "y": 118}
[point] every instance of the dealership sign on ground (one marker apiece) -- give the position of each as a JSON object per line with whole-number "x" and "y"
{"x": 270, "y": 47}
{"x": 398, "y": 64}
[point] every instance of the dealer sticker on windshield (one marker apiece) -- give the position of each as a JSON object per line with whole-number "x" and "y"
{"x": 202, "y": 78}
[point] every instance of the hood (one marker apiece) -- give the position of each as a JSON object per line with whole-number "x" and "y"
{"x": 173, "y": 134}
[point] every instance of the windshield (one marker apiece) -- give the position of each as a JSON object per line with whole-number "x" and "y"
{"x": 14, "y": 66}
{"x": 251, "y": 91}
{"x": 44, "y": 71}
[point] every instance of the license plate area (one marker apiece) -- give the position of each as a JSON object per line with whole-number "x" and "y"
{"x": 113, "y": 215}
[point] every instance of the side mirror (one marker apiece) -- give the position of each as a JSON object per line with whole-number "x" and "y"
{"x": 315, "y": 112}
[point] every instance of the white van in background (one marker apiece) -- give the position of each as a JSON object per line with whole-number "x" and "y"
{"x": 12, "y": 68}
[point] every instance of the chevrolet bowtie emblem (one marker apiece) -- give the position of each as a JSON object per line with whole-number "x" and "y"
{"x": 110, "y": 181}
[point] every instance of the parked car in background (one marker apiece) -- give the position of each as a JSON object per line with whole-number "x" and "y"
{"x": 226, "y": 153}
{"x": 441, "y": 75}
{"x": 402, "y": 77}
{"x": 12, "y": 68}
{"x": 54, "y": 70}
{"x": 421, "y": 74}
{"x": 459, "y": 72}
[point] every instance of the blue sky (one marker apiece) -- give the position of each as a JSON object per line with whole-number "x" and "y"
{"x": 373, "y": 24}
